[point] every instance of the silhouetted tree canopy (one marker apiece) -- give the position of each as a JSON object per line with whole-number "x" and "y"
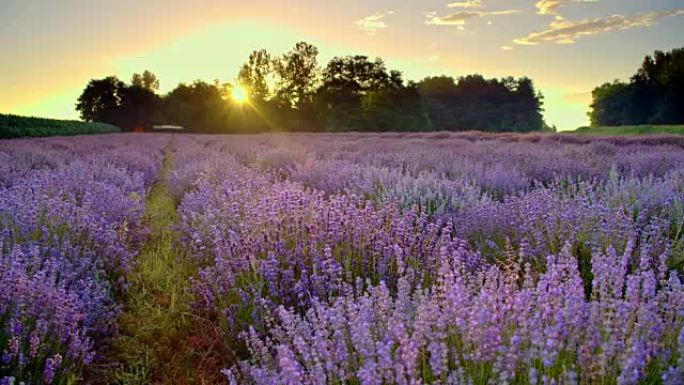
{"x": 292, "y": 92}
{"x": 147, "y": 80}
{"x": 297, "y": 74}
{"x": 476, "y": 103}
{"x": 110, "y": 100}
{"x": 654, "y": 95}
{"x": 255, "y": 73}
{"x": 200, "y": 107}
{"x": 361, "y": 94}
{"x": 139, "y": 107}
{"x": 100, "y": 100}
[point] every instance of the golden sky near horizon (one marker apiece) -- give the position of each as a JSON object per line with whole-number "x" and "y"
{"x": 50, "y": 49}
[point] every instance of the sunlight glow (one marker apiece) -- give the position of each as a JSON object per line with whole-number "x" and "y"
{"x": 239, "y": 94}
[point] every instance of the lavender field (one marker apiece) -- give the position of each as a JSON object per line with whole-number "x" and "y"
{"x": 429, "y": 258}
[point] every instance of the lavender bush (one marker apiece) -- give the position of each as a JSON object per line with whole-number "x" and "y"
{"x": 70, "y": 217}
{"x": 436, "y": 258}
{"x": 495, "y": 325}
{"x": 384, "y": 259}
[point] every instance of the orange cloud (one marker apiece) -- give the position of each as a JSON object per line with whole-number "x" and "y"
{"x": 373, "y": 23}
{"x": 550, "y": 7}
{"x": 460, "y": 18}
{"x": 466, "y": 4}
{"x": 563, "y": 31}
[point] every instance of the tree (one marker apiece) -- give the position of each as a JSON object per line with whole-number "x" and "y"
{"x": 654, "y": 95}
{"x": 438, "y": 93}
{"x": 359, "y": 75}
{"x": 397, "y": 109}
{"x": 202, "y": 107}
{"x": 291, "y": 93}
{"x": 101, "y": 101}
{"x": 139, "y": 107}
{"x": 110, "y": 100}
{"x": 147, "y": 80}
{"x": 476, "y": 103}
{"x": 254, "y": 75}
{"x": 611, "y": 102}
{"x": 193, "y": 106}
{"x": 297, "y": 74}
{"x": 437, "y": 86}
{"x": 360, "y": 94}
{"x": 526, "y": 105}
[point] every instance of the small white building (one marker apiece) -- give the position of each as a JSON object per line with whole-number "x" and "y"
{"x": 167, "y": 127}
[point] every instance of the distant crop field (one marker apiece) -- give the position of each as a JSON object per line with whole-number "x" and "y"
{"x": 14, "y": 126}
{"x": 631, "y": 130}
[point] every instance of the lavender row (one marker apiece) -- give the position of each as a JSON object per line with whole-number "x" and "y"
{"x": 494, "y": 325}
{"x": 545, "y": 192}
{"x": 495, "y": 165}
{"x": 70, "y": 218}
{"x": 279, "y": 242}
{"x": 291, "y": 228}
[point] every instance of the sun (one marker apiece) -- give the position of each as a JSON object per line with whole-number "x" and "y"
{"x": 239, "y": 94}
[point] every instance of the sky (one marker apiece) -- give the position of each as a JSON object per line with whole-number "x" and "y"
{"x": 50, "y": 49}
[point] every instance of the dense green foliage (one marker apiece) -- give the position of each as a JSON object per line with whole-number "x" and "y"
{"x": 360, "y": 94}
{"x": 13, "y": 126}
{"x": 199, "y": 106}
{"x": 654, "y": 95}
{"x": 112, "y": 101}
{"x": 293, "y": 93}
{"x": 476, "y": 103}
{"x": 631, "y": 130}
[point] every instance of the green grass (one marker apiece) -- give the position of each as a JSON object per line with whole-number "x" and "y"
{"x": 161, "y": 340}
{"x": 14, "y": 126}
{"x": 630, "y": 130}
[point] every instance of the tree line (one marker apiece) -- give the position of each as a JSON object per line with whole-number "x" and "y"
{"x": 654, "y": 95}
{"x": 292, "y": 92}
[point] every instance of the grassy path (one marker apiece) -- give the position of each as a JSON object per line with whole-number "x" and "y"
{"x": 161, "y": 341}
